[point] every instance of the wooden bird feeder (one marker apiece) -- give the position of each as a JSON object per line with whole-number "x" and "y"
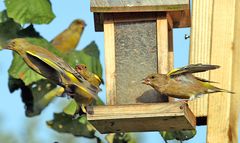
{"x": 138, "y": 41}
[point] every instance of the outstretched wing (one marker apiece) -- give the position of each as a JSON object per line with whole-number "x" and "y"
{"x": 192, "y": 68}
{"x": 61, "y": 73}
{"x": 205, "y": 80}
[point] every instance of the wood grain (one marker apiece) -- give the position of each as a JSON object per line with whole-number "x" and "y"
{"x": 178, "y": 19}
{"x": 162, "y": 44}
{"x": 200, "y": 49}
{"x": 235, "y": 98}
{"x": 142, "y": 117}
{"x": 138, "y": 5}
{"x": 109, "y": 41}
{"x": 221, "y": 54}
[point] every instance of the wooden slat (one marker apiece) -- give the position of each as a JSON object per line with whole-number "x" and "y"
{"x": 109, "y": 41}
{"x": 235, "y": 98}
{"x": 138, "y": 5}
{"x": 170, "y": 49}
{"x": 98, "y": 21}
{"x": 177, "y": 19}
{"x": 142, "y": 117}
{"x": 170, "y": 21}
{"x": 165, "y": 45}
{"x": 162, "y": 44}
{"x": 170, "y": 55}
{"x": 200, "y": 49}
{"x": 221, "y": 54}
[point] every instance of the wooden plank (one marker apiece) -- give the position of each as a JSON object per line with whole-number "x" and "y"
{"x": 235, "y": 98}
{"x": 177, "y": 19}
{"x": 170, "y": 21}
{"x": 162, "y": 44}
{"x": 170, "y": 55}
{"x": 170, "y": 49}
{"x": 98, "y": 21}
{"x": 165, "y": 45}
{"x": 104, "y": 6}
{"x": 134, "y": 17}
{"x": 141, "y": 117}
{"x": 109, "y": 40}
{"x": 181, "y": 18}
{"x": 200, "y": 48}
{"x": 221, "y": 54}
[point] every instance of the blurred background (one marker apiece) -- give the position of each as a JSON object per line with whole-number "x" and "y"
{"x": 15, "y": 127}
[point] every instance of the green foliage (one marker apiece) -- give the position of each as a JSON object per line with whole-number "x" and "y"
{"x": 20, "y": 70}
{"x": 72, "y": 108}
{"x": 8, "y": 28}
{"x": 3, "y": 16}
{"x": 67, "y": 124}
{"x": 120, "y": 138}
{"x": 30, "y": 11}
{"x": 178, "y": 135}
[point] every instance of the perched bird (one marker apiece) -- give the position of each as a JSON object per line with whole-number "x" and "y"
{"x": 69, "y": 38}
{"x": 55, "y": 69}
{"x": 90, "y": 77}
{"x": 180, "y": 83}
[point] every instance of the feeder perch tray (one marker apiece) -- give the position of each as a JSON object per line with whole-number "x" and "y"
{"x": 141, "y": 117}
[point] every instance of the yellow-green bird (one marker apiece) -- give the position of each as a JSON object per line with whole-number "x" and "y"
{"x": 89, "y": 76}
{"x": 55, "y": 69}
{"x": 69, "y": 38}
{"x": 180, "y": 83}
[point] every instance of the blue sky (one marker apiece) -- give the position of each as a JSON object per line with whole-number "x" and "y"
{"x": 11, "y": 108}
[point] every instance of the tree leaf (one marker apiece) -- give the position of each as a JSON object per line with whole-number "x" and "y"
{"x": 120, "y": 138}
{"x": 20, "y": 70}
{"x": 30, "y": 11}
{"x": 36, "y": 96}
{"x": 64, "y": 123}
{"x": 72, "y": 108}
{"x": 3, "y": 16}
{"x": 178, "y": 135}
{"x": 8, "y": 29}
{"x": 43, "y": 93}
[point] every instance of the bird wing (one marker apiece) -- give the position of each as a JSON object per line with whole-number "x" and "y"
{"x": 204, "y": 80}
{"x": 61, "y": 72}
{"x": 192, "y": 68}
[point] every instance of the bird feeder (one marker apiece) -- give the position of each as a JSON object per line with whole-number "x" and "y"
{"x": 138, "y": 41}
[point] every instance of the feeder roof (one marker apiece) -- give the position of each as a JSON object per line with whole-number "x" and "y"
{"x": 105, "y": 6}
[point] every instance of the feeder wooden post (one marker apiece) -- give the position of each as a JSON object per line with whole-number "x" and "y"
{"x": 215, "y": 40}
{"x": 138, "y": 42}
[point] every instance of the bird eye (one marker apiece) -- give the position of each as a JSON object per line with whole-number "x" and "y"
{"x": 152, "y": 77}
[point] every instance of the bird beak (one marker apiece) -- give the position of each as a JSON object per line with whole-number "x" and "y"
{"x": 145, "y": 81}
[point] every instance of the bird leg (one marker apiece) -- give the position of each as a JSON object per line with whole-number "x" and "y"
{"x": 90, "y": 109}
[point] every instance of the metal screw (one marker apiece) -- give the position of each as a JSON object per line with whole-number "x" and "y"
{"x": 186, "y": 36}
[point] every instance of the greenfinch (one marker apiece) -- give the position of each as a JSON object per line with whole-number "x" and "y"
{"x": 55, "y": 69}
{"x": 181, "y": 83}
{"x": 69, "y": 38}
{"x": 90, "y": 77}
